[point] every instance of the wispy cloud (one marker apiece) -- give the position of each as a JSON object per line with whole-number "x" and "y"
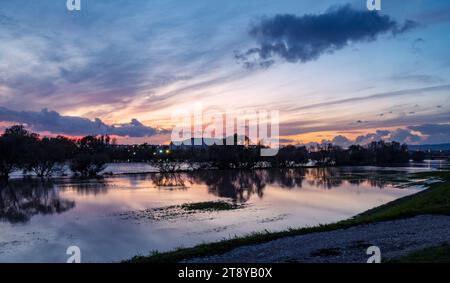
{"x": 389, "y": 94}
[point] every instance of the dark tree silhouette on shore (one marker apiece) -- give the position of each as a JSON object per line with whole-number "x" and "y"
{"x": 15, "y": 149}
{"x": 88, "y": 156}
{"x": 418, "y": 156}
{"x": 48, "y": 155}
{"x": 91, "y": 156}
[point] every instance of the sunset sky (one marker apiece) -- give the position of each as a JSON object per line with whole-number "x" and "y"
{"x": 334, "y": 70}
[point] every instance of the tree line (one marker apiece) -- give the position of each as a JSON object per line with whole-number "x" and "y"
{"x": 45, "y": 156}
{"x": 21, "y": 149}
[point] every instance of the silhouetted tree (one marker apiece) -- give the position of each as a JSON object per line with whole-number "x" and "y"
{"x": 358, "y": 155}
{"x": 91, "y": 156}
{"x": 88, "y": 165}
{"x": 290, "y": 156}
{"x": 325, "y": 155}
{"x": 389, "y": 153}
{"x": 418, "y": 156}
{"x": 14, "y": 149}
{"x": 49, "y": 155}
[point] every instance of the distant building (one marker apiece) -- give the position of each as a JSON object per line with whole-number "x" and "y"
{"x": 193, "y": 143}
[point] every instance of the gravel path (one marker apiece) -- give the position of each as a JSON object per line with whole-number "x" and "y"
{"x": 394, "y": 238}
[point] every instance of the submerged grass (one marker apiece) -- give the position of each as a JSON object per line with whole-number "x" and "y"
{"x": 210, "y": 206}
{"x": 438, "y": 254}
{"x": 434, "y": 200}
{"x": 177, "y": 211}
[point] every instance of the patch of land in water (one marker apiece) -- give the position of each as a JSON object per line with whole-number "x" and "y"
{"x": 177, "y": 211}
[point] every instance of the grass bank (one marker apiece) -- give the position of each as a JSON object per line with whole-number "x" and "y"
{"x": 438, "y": 254}
{"x": 434, "y": 200}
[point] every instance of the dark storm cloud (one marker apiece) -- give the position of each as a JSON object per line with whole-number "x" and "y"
{"x": 53, "y": 122}
{"x": 305, "y": 38}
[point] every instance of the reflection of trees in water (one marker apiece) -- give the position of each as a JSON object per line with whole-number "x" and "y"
{"x": 333, "y": 177}
{"x": 374, "y": 180}
{"x": 170, "y": 180}
{"x": 241, "y": 185}
{"x": 327, "y": 177}
{"x": 20, "y": 200}
{"x": 238, "y": 185}
{"x": 86, "y": 187}
{"x": 287, "y": 178}
{"x": 137, "y": 179}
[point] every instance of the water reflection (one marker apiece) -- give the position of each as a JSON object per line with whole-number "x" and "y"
{"x": 240, "y": 185}
{"x": 86, "y": 212}
{"x": 21, "y": 200}
{"x": 96, "y": 186}
{"x": 170, "y": 181}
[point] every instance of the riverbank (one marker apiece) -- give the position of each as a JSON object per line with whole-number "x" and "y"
{"x": 433, "y": 201}
{"x": 139, "y": 168}
{"x": 397, "y": 238}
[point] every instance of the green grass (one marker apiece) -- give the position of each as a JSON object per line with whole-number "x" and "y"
{"x": 434, "y": 200}
{"x": 210, "y": 206}
{"x": 439, "y": 254}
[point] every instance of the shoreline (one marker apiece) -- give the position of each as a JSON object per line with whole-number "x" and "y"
{"x": 112, "y": 174}
{"x": 345, "y": 245}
